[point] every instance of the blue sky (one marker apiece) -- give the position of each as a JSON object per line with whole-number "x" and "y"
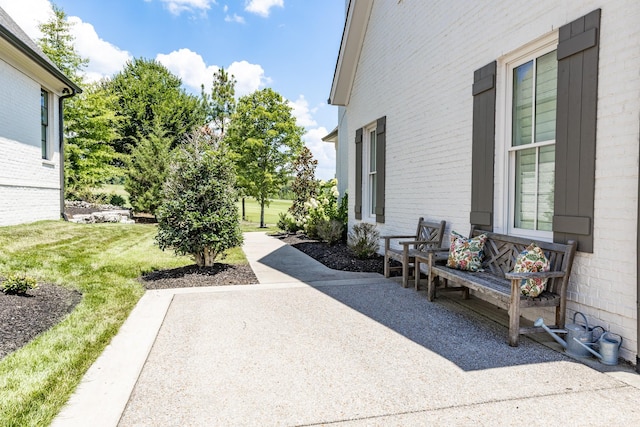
{"x": 288, "y": 45}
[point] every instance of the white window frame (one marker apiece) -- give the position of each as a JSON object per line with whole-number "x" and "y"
{"x": 369, "y": 211}
{"x": 46, "y": 150}
{"x": 505, "y": 153}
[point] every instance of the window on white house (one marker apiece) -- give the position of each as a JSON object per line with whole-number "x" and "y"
{"x": 44, "y": 123}
{"x": 370, "y": 175}
{"x": 533, "y": 88}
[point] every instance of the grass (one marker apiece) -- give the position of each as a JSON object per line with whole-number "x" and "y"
{"x": 100, "y": 260}
{"x": 271, "y": 213}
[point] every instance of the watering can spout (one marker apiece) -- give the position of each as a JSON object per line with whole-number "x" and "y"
{"x": 540, "y": 323}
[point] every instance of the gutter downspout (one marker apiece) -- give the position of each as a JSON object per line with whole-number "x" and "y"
{"x": 65, "y": 95}
{"x": 638, "y": 281}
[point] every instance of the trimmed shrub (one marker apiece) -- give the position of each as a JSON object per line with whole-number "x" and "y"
{"x": 198, "y": 215}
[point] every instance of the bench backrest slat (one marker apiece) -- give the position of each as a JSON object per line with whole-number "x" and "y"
{"x": 432, "y": 232}
{"x": 501, "y": 251}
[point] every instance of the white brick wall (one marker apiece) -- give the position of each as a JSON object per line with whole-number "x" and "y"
{"x": 416, "y": 67}
{"x": 29, "y": 185}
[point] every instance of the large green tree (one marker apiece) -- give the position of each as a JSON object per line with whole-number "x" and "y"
{"x": 148, "y": 93}
{"x": 90, "y": 126}
{"x": 90, "y": 122}
{"x": 265, "y": 140}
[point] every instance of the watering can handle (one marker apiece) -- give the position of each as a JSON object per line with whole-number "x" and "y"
{"x": 601, "y": 333}
{"x": 586, "y": 323}
{"x": 619, "y": 336}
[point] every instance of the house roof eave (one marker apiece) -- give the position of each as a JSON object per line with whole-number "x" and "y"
{"x": 355, "y": 27}
{"x": 20, "y": 41}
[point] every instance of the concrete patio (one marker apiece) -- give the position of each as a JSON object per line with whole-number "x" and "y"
{"x": 313, "y": 346}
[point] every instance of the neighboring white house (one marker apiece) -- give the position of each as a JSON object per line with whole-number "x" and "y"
{"x": 31, "y": 93}
{"x": 518, "y": 116}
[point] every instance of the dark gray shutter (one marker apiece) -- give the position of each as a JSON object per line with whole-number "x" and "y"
{"x": 358, "y": 199}
{"x": 576, "y": 131}
{"x": 381, "y": 128}
{"x": 483, "y": 146}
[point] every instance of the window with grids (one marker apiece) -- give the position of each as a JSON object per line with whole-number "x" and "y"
{"x": 44, "y": 123}
{"x": 533, "y": 137}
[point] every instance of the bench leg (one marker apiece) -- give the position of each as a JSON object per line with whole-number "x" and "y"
{"x": 416, "y": 274}
{"x": 405, "y": 270}
{"x": 387, "y": 273}
{"x": 431, "y": 281}
{"x": 514, "y": 314}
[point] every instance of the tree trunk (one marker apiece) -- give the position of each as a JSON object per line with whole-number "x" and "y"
{"x": 262, "y": 214}
{"x": 206, "y": 258}
{"x": 244, "y": 216}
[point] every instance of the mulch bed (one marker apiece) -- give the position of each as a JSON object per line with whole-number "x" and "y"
{"x": 337, "y": 257}
{"x": 192, "y": 276}
{"x": 23, "y": 317}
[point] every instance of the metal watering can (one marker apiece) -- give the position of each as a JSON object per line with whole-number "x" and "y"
{"x": 578, "y": 336}
{"x": 609, "y": 345}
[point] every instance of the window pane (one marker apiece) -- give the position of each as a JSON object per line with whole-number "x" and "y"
{"x": 525, "y": 197}
{"x": 372, "y": 151}
{"x": 546, "y": 174}
{"x": 372, "y": 193}
{"x": 546, "y": 93}
{"x": 522, "y": 103}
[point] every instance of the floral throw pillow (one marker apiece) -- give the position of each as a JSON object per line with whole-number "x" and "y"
{"x": 464, "y": 253}
{"x": 532, "y": 260}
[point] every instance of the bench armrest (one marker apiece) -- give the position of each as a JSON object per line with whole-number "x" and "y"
{"x": 535, "y": 275}
{"x": 387, "y": 239}
{"x": 413, "y": 236}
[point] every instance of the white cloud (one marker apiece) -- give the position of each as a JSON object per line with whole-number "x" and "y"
{"x": 28, "y": 14}
{"x": 249, "y": 77}
{"x": 176, "y": 7}
{"x": 235, "y": 18}
{"x": 262, "y": 7}
{"x": 302, "y": 113}
{"x": 105, "y": 59}
{"x": 323, "y": 152}
{"x": 190, "y": 67}
{"x": 193, "y": 71}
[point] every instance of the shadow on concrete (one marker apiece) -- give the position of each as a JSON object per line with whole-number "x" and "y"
{"x": 464, "y": 337}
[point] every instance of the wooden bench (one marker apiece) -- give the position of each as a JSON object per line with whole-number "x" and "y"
{"x": 428, "y": 235}
{"x": 499, "y": 282}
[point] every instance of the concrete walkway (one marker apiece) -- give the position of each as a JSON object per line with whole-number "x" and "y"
{"x": 314, "y": 346}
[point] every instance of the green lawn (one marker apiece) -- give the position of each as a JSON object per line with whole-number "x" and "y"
{"x": 271, "y": 213}
{"x": 103, "y": 262}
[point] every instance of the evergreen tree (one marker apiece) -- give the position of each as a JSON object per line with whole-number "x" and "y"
{"x": 220, "y": 104}
{"x": 57, "y": 43}
{"x": 147, "y": 170}
{"x": 198, "y": 215}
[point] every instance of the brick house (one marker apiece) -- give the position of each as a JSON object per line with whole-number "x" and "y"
{"x": 520, "y": 117}
{"x": 32, "y": 90}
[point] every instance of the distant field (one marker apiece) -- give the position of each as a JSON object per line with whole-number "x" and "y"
{"x": 252, "y": 214}
{"x": 271, "y": 213}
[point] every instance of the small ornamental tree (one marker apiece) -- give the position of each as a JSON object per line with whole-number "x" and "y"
{"x": 304, "y": 186}
{"x": 198, "y": 215}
